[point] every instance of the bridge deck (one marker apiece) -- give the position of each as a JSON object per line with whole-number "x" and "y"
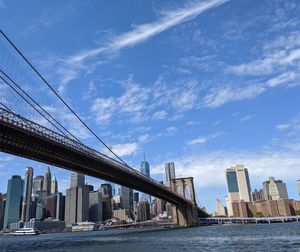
{"x": 22, "y": 137}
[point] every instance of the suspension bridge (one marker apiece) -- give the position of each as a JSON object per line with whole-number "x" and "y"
{"x": 31, "y": 127}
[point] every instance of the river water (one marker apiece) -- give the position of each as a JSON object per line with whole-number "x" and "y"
{"x": 250, "y": 237}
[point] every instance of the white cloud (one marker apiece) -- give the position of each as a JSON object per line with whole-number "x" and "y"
{"x": 208, "y": 168}
{"x": 2, "y": 5}
{"x": 125, "y": 149}
{"x": 246, "y": 118}
{"x": 203, "y": 139}
{"x": 74, "y": 64}
{"x": 220, "y": 95}
{"x": 103, "y": 109}
{"x": 287, "y": 77}
{"x": 293, "y": 124}
{"x": 279, "y": 54}
{"x": 143, "y": 32}
{"x": 159, "y": 115}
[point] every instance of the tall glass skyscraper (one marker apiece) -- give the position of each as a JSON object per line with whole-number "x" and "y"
{"x": 170, "y": 172}
{"x": 47, "y": 182}
{"x": 27, "y": 194}
{"x": 13, "y": 202}
{"x": 238, "y": 185}
{"x": 145, "y": 169}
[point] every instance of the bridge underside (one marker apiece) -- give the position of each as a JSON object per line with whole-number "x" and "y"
{"x": 27, "y": 143}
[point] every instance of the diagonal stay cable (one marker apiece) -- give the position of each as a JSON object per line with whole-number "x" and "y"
{"x": 59, "y": 97}
{"x": 25, "y": 99}
{"x": 37, "y": 104}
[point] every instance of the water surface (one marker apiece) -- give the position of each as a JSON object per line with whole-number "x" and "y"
{"x": 251, "y": 237}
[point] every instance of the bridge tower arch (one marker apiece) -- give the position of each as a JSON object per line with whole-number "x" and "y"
{"x": 185, "y": 215}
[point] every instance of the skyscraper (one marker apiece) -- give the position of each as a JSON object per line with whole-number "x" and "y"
{"x": 13, "y": 202}
{"x": 47, "y": 182}
{"x": 106, "y": 190}
{"x": 170, "y": 172}
{"x": 27, "y": 194}
{"x": 2, "y": 207}
{"x": 77, "y": 179}
{"x": 53, "y": 185}
{"x": 127, "y": 199}
{"x": 136, "y": 197}
{"x": 145, "y": 169}
{"x": 37, "y": 185}
{"x": 95, "y": 206}
{"x": 274, "y": 189}
{"x": 238, "y": 185}
{"x": 77, "y": 200}
{"x": 60, "y": 206}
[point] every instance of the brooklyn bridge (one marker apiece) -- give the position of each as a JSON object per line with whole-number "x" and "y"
{"x": 29, "y": 129}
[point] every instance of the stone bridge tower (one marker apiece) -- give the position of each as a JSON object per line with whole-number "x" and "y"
{"x": 185, "y": 216}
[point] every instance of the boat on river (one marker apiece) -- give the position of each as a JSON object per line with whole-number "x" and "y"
{"x": 26, "y": 231}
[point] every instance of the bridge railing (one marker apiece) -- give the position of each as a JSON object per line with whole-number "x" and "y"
{"x": 19, "y": 121}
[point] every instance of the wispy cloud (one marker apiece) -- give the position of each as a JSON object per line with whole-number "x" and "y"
{"x": 293, "y": 124}
{"x": 277, "y": 55}
{"x": 204, "y": 139}
{"x": 2, "y": 5}
{"x": 220, "y": 95}
{"x": 143, "y": 32}
{"x": 125, "y": 149}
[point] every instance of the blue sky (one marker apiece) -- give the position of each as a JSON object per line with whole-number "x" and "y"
{"x": 206, "y": 84}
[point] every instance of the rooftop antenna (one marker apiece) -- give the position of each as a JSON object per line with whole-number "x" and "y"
{"x": 144, "y": 157}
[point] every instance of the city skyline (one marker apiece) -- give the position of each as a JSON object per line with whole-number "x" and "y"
{"x": 79, "y": 180}
{"x": 181, "y": 81}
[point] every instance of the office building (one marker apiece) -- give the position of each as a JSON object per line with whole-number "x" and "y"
{"x": 106, "y": 189}
{"x": 77, "y": 179}
{"x": 143, "y": 211}
{"x": 298, "y": 187}
{"x": 60, "y": 206}
{"x": 274, "y": 189}
{"x": 37, "y": 185}
{"x": 116, "y": 202}
{"x": 257, "y": 196}
{"x": 50, "y": 209}
{"x": 77, "y": 200}
{"x": 145, "y": 169}
{"x": 127, "y": 199}
{"x": 2, "y": 208}
{"x": 47, "y": 182}
{"x": 13, "y": 201}
{"x": 27, "y": 194}
{"x": 107, "y": 206}
{"x": 136, "y": 197}
{"x": 238, "y": 185}
{"x": 53, "y": 189}
{"x": 95, "y": 206}
{"x": 121, "y": 214}
{"x": 170, "y": 172}
{"x": 160, "y": 205}
{"x": 220, "y": 209}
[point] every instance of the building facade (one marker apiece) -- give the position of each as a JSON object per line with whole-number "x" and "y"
{"x": 238, "y": 186}
{"x": 127, "y": 199}
{"x": 2, "y": 208}
{"x": 27, "y": 194}
{"x": 145, "y": 169}
{"x": 170, "y": 172}
{"x": 95, "y": 207}
{"x": 77, "y": 200}
{"x": 274, "y": 189}
{"x": 13, "y": 201}
{"x": 47, "y": 182}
